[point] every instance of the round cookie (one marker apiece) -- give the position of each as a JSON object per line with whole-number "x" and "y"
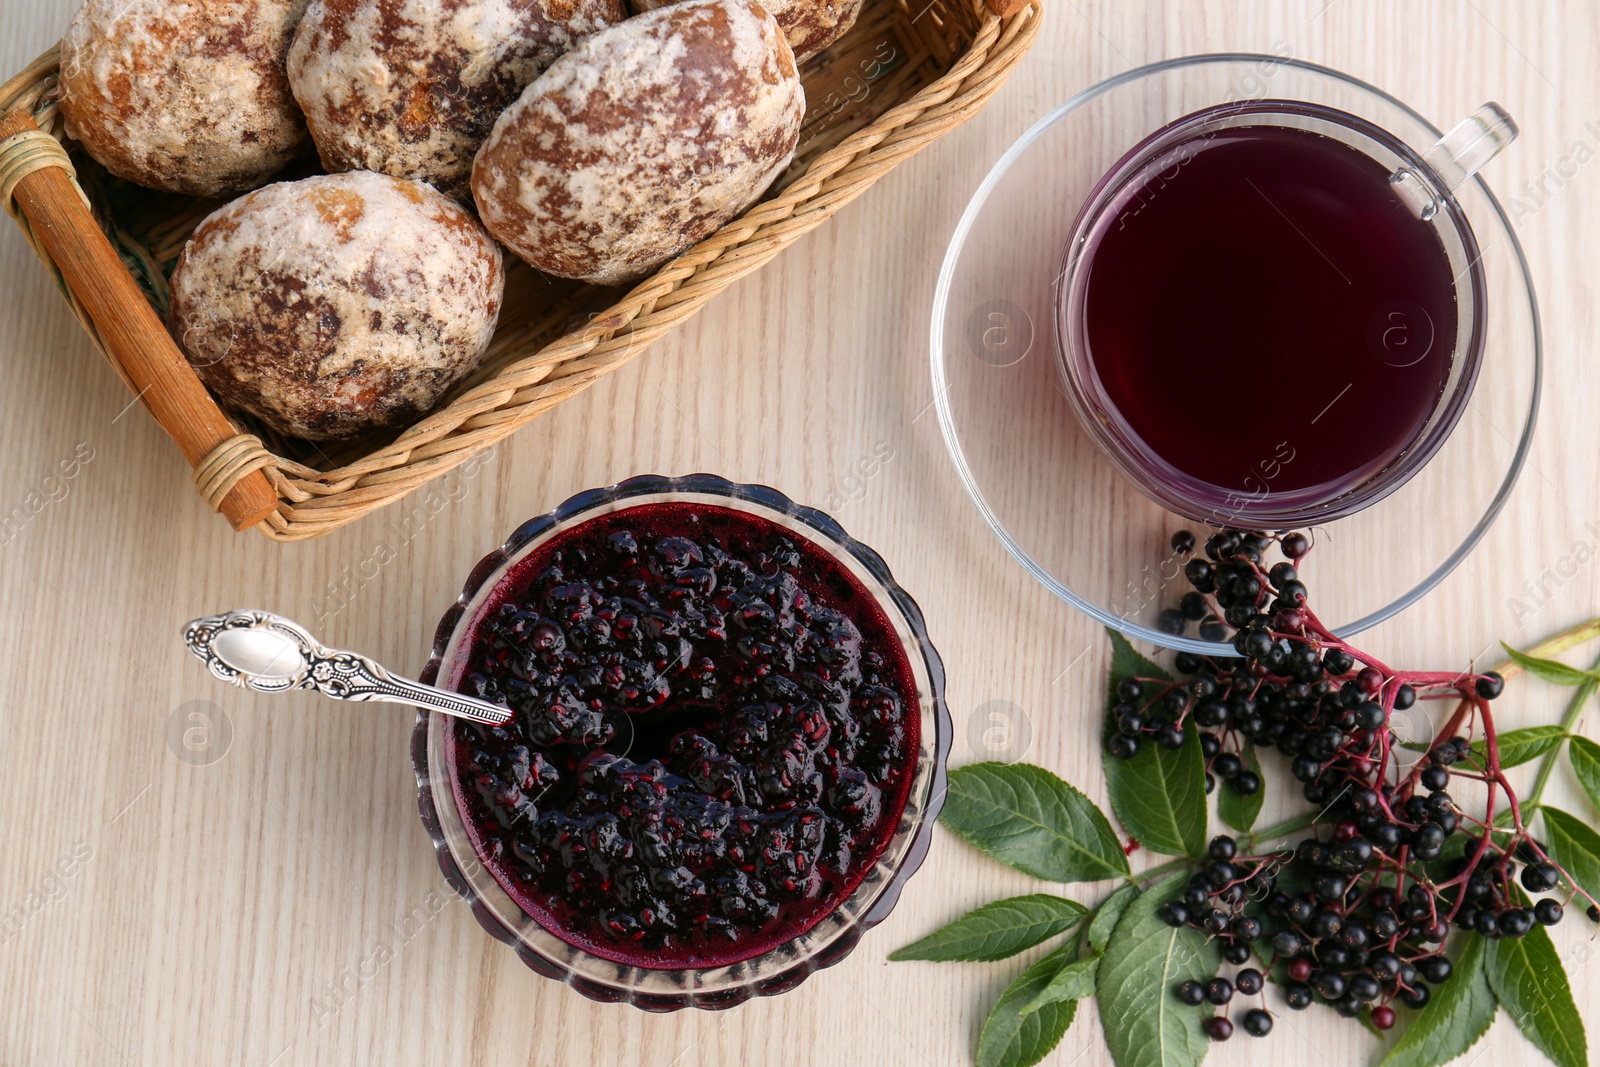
{"x": 644, "y": 139}
{"x": 809, "y": 25}
{"x": 339, "y": 304}
{"x": 411, "y": 87}
{"x": 187, "y": 97}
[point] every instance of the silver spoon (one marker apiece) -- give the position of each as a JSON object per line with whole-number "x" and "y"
{"x": 270, "y": 654}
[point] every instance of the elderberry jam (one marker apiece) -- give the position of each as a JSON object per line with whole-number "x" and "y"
{"x": 715, "y": 734}
{"x": 1263, "y": 317}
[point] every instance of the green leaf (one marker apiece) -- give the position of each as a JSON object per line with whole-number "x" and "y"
{"x": 1072, "y": 982}
{"x": 1519, "y": 746}
{"x": 1576, "y": 847}
{"x": 1108, "y": 914}
{"x": 1128, "y": 663}
{"x": 1159, "y": 795}
{"x": 1526, "y": 974}
{"x": 1585, "y": 758}
{"x": 1459, "y": 1013}
{"x": 1237, "y": 811}
{"x": 1029, "y": 819}
{"x": 995, "y": 931}
{"x": 1548, "y": 669}
{"x": 1145, "y": 1025}
{"x": 1293, "y": 878}
{"x": 1011, "y": 1038}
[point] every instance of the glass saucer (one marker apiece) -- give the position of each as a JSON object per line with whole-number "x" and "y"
{"x": 1047, "y": 490}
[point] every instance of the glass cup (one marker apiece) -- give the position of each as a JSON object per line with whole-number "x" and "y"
{"x": 1398, "y": 331}
{"x": 1041, "y": 478}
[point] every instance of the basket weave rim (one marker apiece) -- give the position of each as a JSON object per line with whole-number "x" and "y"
{"x": 315, "y": 502}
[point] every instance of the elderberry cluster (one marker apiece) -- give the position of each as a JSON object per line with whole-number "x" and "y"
{"x": 1357, "y": 916}
{"x": 1218, "y": 900}
{"x": 764, "y": 737}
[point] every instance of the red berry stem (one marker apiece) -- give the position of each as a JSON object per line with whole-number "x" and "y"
{"x": 1372, "y": 927}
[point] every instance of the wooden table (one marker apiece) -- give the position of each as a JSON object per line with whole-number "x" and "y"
{"x": 224, "y": 878}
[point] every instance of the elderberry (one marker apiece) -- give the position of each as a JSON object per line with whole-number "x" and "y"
{"x": 1366, "y": 924}
{"x": 1539, "y": 878}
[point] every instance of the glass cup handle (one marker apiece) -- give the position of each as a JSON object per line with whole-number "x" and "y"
{"x": 1459, "y": 155}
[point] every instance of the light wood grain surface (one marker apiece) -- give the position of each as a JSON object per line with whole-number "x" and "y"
{"x": 237, "y": 895}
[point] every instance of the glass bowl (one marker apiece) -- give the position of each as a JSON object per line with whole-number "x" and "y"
{"x": 1048, "y": 491}
{"x": 779, "y": 969}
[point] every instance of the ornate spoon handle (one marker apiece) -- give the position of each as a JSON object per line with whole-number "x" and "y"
{"x": 270, "y": 654}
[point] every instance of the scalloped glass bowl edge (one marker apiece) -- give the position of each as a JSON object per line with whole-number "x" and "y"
{"x": 787, "y": 965}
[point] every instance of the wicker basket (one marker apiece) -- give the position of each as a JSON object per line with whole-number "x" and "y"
{"x": 905, "y": 75}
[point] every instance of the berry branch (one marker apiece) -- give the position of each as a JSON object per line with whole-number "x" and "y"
{"x": 1358, "y": 917}
{"x": 1400, "y": 884}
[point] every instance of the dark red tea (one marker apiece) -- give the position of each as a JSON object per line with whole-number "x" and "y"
{"x": 1267, "y": 315}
